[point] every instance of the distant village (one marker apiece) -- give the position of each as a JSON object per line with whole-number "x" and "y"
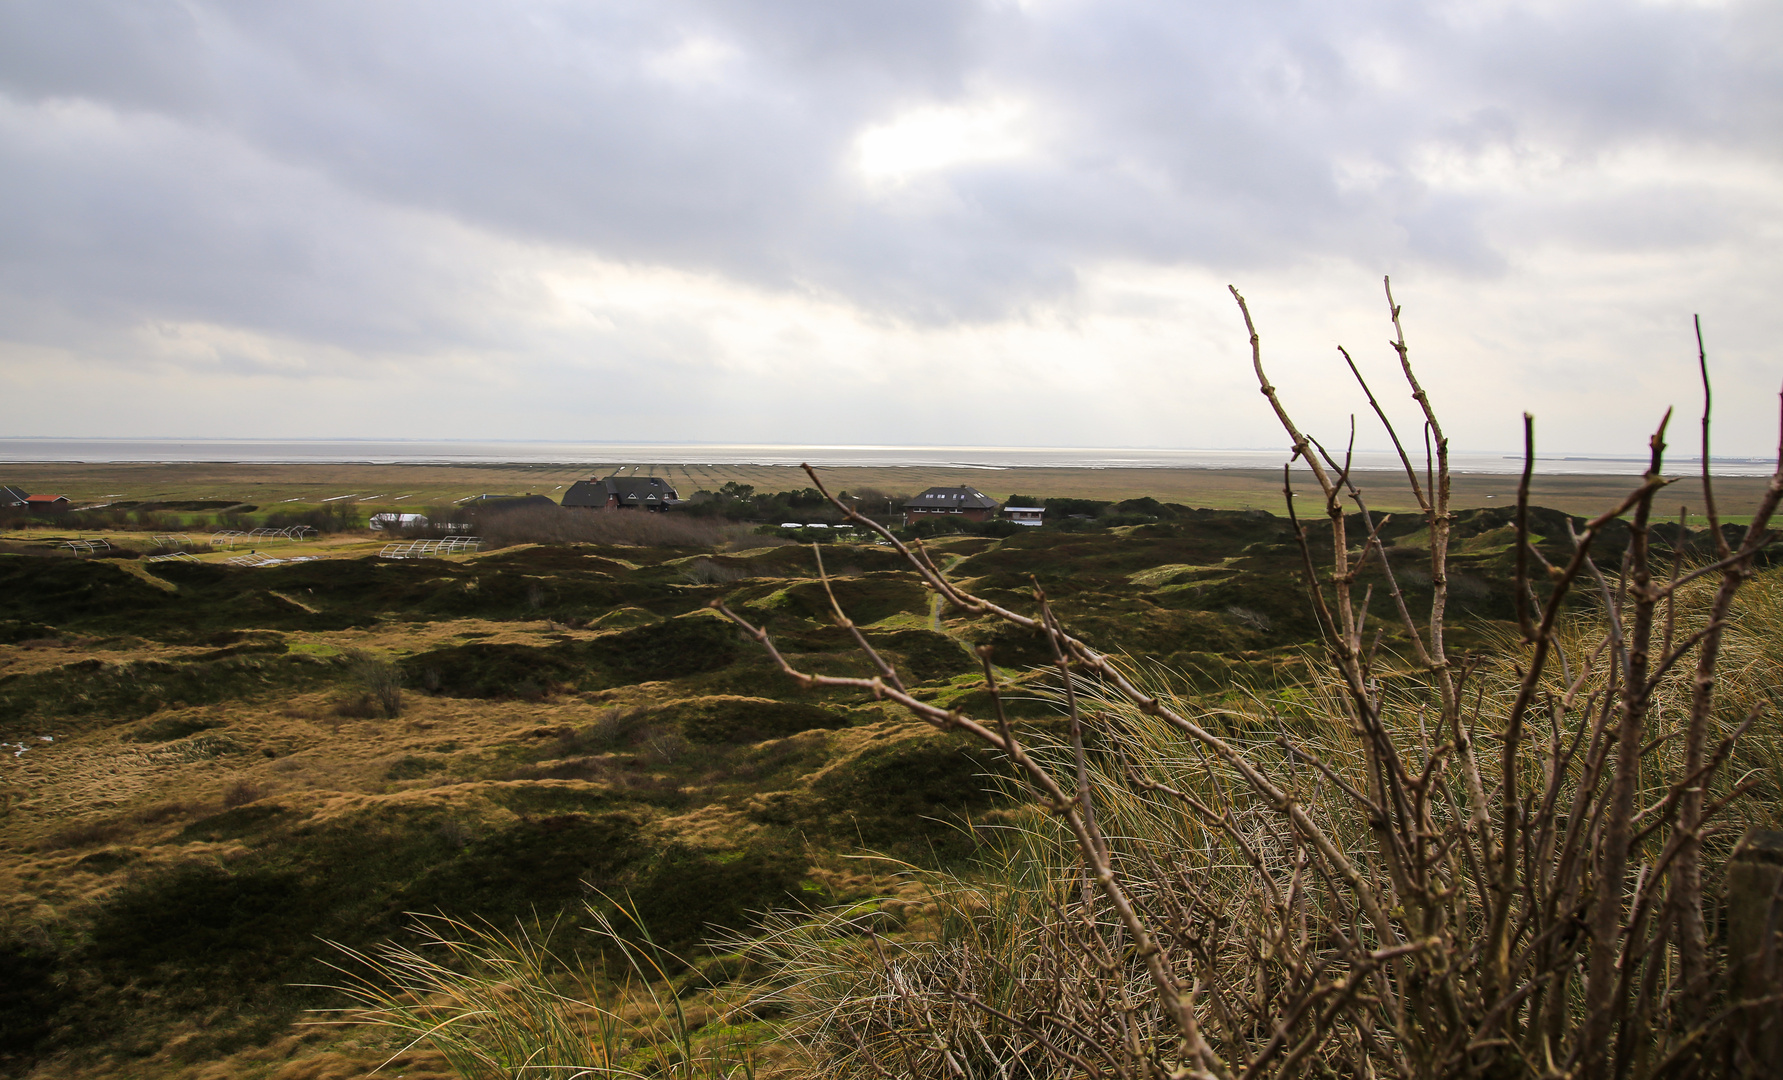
{"x": 934, "y": 504}
{"x": 652, "y": 494}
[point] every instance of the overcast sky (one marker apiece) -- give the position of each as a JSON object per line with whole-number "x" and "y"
{"x": 814, "y": 221}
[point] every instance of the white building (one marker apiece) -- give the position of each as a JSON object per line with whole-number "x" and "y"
{"x": 1024, "y": 515}
{"x": 381, "y": 522}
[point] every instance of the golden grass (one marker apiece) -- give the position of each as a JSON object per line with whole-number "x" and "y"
{"x": 91, "y": 811}
{"x": 870, "y": 987}
{"x": 132, "y": 797}
{"x": 302, "y": 1055}
{"x": 500, "y": 1005}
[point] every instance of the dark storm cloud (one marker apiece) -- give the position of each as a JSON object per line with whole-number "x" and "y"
{"x": 125, "y": 220}
{"x": 251, "y": 146}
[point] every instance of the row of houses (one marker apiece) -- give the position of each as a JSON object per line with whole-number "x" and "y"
{"x": 16, "y": 499}
{"x": 653, "y": 494}
{"x": 656, "y": 494}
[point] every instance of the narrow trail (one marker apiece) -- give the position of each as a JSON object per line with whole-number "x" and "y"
{"x": 935, "y": 601}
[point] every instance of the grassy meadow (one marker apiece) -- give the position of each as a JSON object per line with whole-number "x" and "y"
{"x": 210, "y": 772}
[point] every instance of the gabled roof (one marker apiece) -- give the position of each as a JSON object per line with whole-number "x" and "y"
{"x": 952, "y": 498}
{"x": 11, "y": 496}
{"x": 586, "y": 493}
{"x": 46, "y": 498}
{"x": 628, "y": 490}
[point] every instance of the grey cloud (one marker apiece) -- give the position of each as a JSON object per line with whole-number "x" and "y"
{"x": 123, "y": 223}
{"x": 265, "y": 155}
{"x": 138, "y": 56}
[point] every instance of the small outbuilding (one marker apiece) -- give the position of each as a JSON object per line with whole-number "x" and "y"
{"x": 380, "y": 522}
{"x": 621, "y": 493}
{"x": 47, "y": 504}
{"x": 965, "y": 503}
{"x": 1025, "y": 515}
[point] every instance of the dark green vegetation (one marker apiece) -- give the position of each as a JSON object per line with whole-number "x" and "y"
{"x": 742, "y": 501}
{"x": 198, "y": 516}
{"x": 574, "y": 726}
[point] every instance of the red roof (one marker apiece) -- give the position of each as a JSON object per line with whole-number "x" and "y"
{"x": 46, "y": 498}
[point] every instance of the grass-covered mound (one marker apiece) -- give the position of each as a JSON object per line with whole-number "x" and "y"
{"x": 212, "y": 770}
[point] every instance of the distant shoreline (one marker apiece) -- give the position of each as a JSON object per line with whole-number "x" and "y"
{"x": 460, "y": 453}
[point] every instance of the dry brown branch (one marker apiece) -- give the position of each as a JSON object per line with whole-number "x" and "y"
{"x": 1377, "y": 897}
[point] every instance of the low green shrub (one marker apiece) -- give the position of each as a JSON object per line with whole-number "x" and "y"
{"x": 729, "y": 718}
{"x": 686, "y": 895}
{"x": 912, "y": 798}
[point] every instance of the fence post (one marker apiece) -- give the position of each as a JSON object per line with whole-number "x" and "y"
{"x": 1754, "y": 919}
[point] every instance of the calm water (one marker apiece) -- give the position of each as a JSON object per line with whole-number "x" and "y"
{"x": 976, "y": 457}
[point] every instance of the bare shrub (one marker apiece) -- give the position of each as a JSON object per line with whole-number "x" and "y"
{"x": 1441, "y": 866}
{"x": 1244, "y": 616}
{"x": 663, "y": 747}
{"x": 375, "y": 688}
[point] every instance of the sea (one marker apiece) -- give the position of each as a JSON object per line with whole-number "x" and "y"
{"x": 393, "y": 451}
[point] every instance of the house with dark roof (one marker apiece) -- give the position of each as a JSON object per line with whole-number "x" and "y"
{"x": 621, "y": 493}
{"x": 958, "y": 503}
{"x": 12, "y": 498}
